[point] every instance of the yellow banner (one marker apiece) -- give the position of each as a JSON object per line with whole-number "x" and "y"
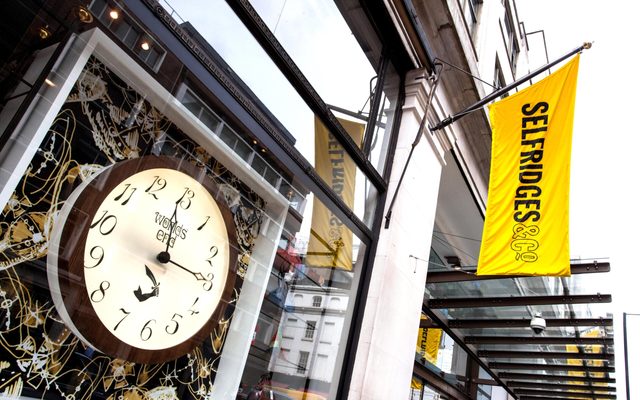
{"x": 428, "y": 342}
{"x": 526, "y": 230}
{"x": 331, "y": 242}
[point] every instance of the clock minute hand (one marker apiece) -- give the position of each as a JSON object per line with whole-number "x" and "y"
{"x": 197, "y": 275}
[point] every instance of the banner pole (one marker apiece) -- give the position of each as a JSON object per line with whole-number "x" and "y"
{"x": 477, "y": 105}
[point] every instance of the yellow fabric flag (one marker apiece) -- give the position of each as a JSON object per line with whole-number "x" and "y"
{"x": 526, "y": 230}
{"x": 429, "y": 343}
{"x": 331, "y": 242}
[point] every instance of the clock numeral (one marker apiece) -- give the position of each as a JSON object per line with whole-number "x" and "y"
{"x": 126, "y": 314}
{"x": 214, "y": 252}
{"x": 97, "y": 253}
{"x": 204, "y": 223}
{"x": 191, "y": 310}
{"x": 98, "y": 295}
{"x": 157, "y": 185}
{"x": 207, "y": 284}
{"x": 185, "y": 199}
{"x": 146, "y": 332}
{"x": 126, "y": 188}
{"x": 173, "y": 329}
{"x": 107, "y": 223}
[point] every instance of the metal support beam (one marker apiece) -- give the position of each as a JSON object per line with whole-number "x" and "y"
{"x": 549, "y": 367}
{"x": 438, "y": 382}
{"x": 606, "y": 341}
{"x": 471, "y": 302}
{"x": 478, "y": 105}
{"x": 469, "y": 275}
{"x": 560, "y": 386}
{"x": 431, "y": 314}
{"x": 550, "y": 377}
{"x": 562, "y": 355}
{"x": 553, "y": 394}
{"x": 524, "y": 322}
{"x": 550, "y": 398}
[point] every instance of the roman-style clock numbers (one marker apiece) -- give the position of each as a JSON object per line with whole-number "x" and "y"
{"x": 150, "y": 252}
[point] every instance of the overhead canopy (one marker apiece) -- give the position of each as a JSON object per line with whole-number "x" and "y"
{"x": 490, "y": 316}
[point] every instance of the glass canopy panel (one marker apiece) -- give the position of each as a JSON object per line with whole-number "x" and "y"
{"x": 532, "y": 347}
{"x": 540, "y": 371}
{"x": 566, "y": 331}
{"x": 547, "y": 311}
{"x": 540, "y": 361}
{"x": 577, "y": 284}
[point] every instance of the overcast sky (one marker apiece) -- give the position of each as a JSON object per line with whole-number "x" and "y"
{"x": 604, "y": 184}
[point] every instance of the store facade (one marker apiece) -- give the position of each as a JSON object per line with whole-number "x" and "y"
{"x": 117, "y": 126}
{"x": 211, "y": 201}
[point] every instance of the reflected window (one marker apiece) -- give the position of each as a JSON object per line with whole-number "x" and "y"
{"x": 302, "y": 362}
{"x": 317, "y": 301}
{"x": 311, "y": 329}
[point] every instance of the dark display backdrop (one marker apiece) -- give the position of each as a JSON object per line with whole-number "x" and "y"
{"x": 103, "y": 121}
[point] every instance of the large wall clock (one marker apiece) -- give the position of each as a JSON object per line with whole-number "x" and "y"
{"x": 142, "y": 259}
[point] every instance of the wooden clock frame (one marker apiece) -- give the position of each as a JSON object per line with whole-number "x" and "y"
{"x": 73, "y": 294}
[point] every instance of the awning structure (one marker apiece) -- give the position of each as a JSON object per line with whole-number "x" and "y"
{"x": 573, "y": 358}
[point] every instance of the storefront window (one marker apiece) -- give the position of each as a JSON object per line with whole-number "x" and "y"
{"x": 306, "y": 312}
{"x": 283, "y": 327}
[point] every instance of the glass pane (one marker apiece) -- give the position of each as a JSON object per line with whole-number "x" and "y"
{"x": 297, "y": 341}
{"x": 318, "y": 39}
{"x": 222, "y": 29}
{"x": 547, "y": 311}
{"x": 306, "y": 311}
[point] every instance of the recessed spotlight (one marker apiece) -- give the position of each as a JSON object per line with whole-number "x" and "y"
{"x": 263, "y": 150}
{"x": 49, "y": 82}
{"x": 43, "y": 32}
{"x": 83, "y": 14}
{"x": 145, "y": 45}
{"x": 255, "y": 141}
{"x": 114, "y": 14}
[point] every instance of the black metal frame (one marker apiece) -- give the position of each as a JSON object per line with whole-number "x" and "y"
{"x": 605, "y": 341}
{"x": 524, "y": 323}
{"x": 558, "y": 355}
{"x": 517, "y": 301}
{"x": 560, "y": 386}
{"x": 553, "y": 377}
{"x": 469, "y": 275}
{"x": 261, "y": 32}
{"x": 555, "y": 394}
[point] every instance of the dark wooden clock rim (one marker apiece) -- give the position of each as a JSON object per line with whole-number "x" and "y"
{"x": 71, "y": 260}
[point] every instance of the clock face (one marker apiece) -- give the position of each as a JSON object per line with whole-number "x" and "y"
{"x": 143, "y": 259}
{"x": 146, "y": 302}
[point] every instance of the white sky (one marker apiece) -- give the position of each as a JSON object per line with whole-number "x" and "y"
{"x": 605, "y": 143}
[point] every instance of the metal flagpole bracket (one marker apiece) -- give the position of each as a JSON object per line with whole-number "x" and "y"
{"x": 478, "y": 105}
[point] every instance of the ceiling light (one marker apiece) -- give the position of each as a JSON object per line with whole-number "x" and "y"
{"x": 49, "y": 82}
{"x": 83, "y": 14}
{"x": 43, "y": 32}
{"x": 145, "y": 45}
{"x": 114, "y": 14}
